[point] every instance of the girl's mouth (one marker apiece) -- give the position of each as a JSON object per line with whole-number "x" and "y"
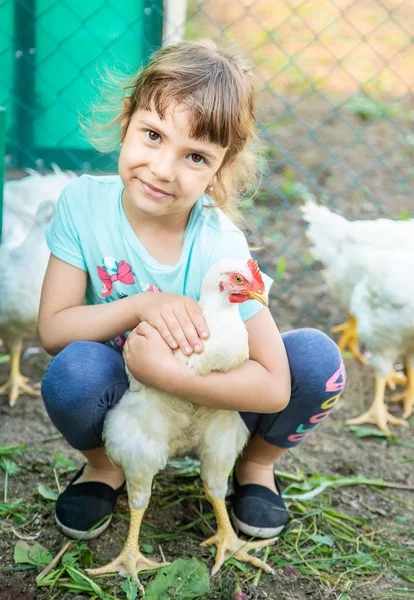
{"x": 152, "y": 191}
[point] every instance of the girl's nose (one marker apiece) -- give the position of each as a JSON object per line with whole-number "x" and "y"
{"x": 163, "y": 167}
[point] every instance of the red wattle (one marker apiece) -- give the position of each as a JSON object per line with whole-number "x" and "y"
{"x": 238, "y": 298}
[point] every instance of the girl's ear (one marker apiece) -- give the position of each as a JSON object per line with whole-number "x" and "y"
{"x": 212, "y": 183}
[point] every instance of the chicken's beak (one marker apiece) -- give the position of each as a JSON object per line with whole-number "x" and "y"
{"x": 260, "y": 296}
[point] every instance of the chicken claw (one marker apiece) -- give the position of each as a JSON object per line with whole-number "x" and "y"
{"x": 396, "y": 378}
{"x": 131, "y": 561}
{"x": 227, "y": 542}
{"x": 16, "y": 385}
{"x": 379, "y": 417}
{"x": 377, "y": 413}
{"x": 407, "y": 397}
{"x": 349, "y": 338}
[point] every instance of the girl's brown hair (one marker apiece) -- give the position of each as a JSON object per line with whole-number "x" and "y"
{"x": 215, "y": 83}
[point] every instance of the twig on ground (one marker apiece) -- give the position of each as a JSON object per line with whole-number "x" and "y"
{"x": 162, "y": 553}
{"x": 198, "y": 513}
{"x": 55, "y": 560}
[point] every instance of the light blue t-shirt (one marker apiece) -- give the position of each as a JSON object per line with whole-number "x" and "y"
{"x": 90, "y": 231}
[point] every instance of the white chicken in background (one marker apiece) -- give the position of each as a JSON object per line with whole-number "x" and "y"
{"x": 149, "y": 426}
{"x": 22, "y": 269}
{"x": 383, "y": 304}
{"x": 23, "y": 197}
{"x": 341, "y": 246}
{"x": 21, "y": 275}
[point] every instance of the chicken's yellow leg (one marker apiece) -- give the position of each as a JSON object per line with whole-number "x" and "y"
{"x": 131, "y": 561}
{"x": 407, "y": 397}
{"x": 227, "y": 542}
{"x": 377, "y": 413}
{"x": 17, "y": 383}
{"x": 396, "y": 378}
{"x": 349, "y": 338}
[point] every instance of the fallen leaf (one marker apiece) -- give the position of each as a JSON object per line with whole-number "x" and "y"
{"x": 34, "y": 554}
{"x": 46, "y": 492}
{"x": 187, "y": 579}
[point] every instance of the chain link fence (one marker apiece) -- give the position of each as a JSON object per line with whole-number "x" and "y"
{"x": 334, "y": 86}
{"x": 335, "y": 108}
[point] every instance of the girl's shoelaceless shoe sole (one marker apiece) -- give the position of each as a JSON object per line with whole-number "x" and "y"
{"x": 257, "y": 511}
{"x": 84, "y": 510}
{"x": 250, "y": 530}
{"x": 77, "y": 535}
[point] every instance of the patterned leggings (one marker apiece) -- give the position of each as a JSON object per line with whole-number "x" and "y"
{"x": 86, "y": 379}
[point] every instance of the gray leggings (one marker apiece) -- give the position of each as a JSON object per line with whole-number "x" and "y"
{"x": 86, "y": 379}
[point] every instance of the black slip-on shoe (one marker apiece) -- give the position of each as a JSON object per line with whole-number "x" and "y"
{"x": 257, "y": 511}
{"x": 84, "y": 507}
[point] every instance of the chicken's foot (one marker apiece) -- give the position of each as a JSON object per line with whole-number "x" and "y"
{"x": 17, "y": 383}
{"x": 407, "y": 397}
{"x": 396, "y": 378}
{"x": 131, "y": 561}
{"x": 227, "y": 542}
{"x": 377, "y": 413}
{"x": 349, "y": 338}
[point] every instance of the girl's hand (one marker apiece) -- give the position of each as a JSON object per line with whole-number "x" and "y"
{"x": 178, "y": 319}
{"x": 149, "y": 359}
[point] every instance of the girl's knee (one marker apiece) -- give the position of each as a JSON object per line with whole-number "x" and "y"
{"x": 315, "y": 361}
{"x": 80, "y": 385}
{"x": 318, "y": 378}
{"x": 68, "y": 370}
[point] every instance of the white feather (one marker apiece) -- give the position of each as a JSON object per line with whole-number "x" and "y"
{"x": 21, "y": 273}
{"x": 23, "y": 197}
{"x": 342, "y": 245}
{"x": 28, "y": 207}
{"x": 383, "y": 305}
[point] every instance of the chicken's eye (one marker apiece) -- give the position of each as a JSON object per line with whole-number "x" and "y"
{"x": 238, "y": 279}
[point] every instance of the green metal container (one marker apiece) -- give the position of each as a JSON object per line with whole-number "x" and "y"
{"x": 59, "y": 49}
{"x": 7, "y": 58}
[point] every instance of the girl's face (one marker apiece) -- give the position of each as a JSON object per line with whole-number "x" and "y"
{"x": 163, "y": 169}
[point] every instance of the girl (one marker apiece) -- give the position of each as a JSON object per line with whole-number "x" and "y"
{"x": 159, "y": 226}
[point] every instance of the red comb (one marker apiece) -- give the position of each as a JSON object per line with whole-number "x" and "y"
{"x": 254, "y": 268}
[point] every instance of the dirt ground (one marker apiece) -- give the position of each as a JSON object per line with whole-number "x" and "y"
{"x": 331, "y": 450}
{"x": 299, "y": 299}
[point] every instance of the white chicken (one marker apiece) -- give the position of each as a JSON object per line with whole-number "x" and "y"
{"x": 148, "y": 426}
{"x": 22, "y": 275}
{"x": 341, "y": 245}
{"x": 23, "y": 197}
{"x": 22, "y": 269}
{"x": 383, "y": 304}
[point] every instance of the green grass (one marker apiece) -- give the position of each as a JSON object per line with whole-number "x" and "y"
{"x": 368, "y": 108}
{"x": 337, "y": 552}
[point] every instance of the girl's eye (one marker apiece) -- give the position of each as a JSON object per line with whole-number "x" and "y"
{"x": 153, "y": 136}
{"x": 197, "y": 159}
{"x": 238, "y": 279}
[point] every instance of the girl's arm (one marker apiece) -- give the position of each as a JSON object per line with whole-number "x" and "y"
{"x": 63, "y": 317}
{"x": 261, "y": 384}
